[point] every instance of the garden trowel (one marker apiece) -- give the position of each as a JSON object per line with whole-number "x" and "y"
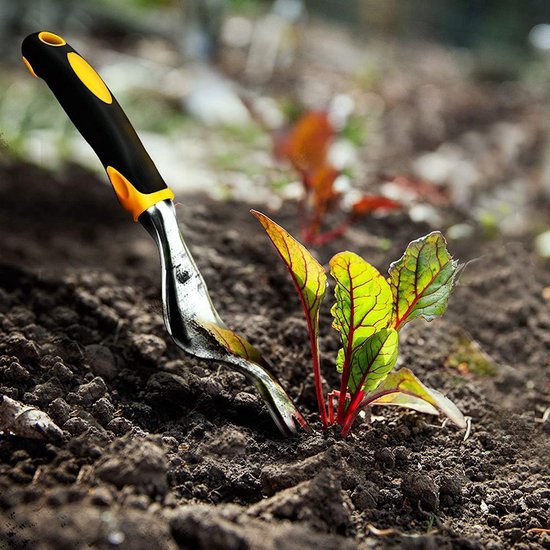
{"x": 189, "y": 315}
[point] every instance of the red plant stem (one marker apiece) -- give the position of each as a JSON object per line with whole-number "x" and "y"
{"x": 346, "y": 369}
{"x": 331, "y": 396}
{"x": 315, "y": 358}
{"x": 355, "y": 400}
{"x": 350, "y": 420}
{"x": 331, "y": 408}
{"x": 356, "y": 397}
{"x": 313, "y": 343}
{"x": 315, "y": 225}
{"x": 317, "y": 374}
{"x": 309, "y": 229}
{"x": 353, "y": 414}
{"x": 343, "y": 387}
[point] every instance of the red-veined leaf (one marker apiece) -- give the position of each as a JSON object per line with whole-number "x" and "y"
{"x": 363, "y": 300}
{"x": 402, "y": 388}
{"x": 422, "y": 279}
{"x": 363, "y": 307}
{"x": 310, "y": 281}
{"x": 373, "y": 360}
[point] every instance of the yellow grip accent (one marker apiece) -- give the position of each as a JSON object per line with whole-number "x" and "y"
{"x": 29, "y": 66}
{"x": 133, "y": 200}
{"x": 51, "y": 39}
{"x": 86, "y": 73}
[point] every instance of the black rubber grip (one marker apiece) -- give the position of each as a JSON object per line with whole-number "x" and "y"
{"x": 92, "y": 108}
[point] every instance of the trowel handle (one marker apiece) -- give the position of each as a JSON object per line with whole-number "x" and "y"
{"x": 99, "y": 118}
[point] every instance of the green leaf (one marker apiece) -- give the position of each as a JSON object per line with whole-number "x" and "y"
{"x": 374, "y": 360}
{"x": 363, "y": 307}
{"x": 402, "y": 388}
{"x": 422, "y": 279}
{"x": 340, "y": 360}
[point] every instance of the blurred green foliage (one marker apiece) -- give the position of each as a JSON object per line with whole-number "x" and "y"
{"x": 468, "y": 357}
{"x": 355, "y": 130}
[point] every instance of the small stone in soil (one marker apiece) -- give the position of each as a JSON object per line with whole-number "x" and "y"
{"x": 365, "y": 496}
{"x": 92, "y": 391}
{"x": 450, "y": 489}
{"x": 103, "y": 411}
{"x": 16, "y": 373}
{"x": 59, "y": 410}
{"x": 101, "y": 361}
{"x": 140, "y": 463}
{"x": 319, "y": 502}
{"x": 420, "y": 489}
{"x": 149, "y": 347}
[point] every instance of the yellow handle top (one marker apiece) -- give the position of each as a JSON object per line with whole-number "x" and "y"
{"x": 88, "y": 76}
{"x": 51, "y": 39}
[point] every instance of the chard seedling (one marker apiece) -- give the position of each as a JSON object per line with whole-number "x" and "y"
{"x": 305, "y": 146}
{"x": 368, "y": 312}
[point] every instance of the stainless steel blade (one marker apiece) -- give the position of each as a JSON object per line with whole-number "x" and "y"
{"x": 187, "y": 307}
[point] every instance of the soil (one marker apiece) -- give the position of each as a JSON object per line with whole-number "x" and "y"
{"x": 162, "y": 450}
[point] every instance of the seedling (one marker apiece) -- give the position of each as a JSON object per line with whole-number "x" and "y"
{"x": 368, "y": 312}
{"x": 306, "y": 147}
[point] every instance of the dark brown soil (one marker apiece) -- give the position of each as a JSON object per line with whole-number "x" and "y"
{"x": 165, "y": 451}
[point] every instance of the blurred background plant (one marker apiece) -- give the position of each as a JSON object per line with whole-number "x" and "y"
{"x": 440, "y": 105}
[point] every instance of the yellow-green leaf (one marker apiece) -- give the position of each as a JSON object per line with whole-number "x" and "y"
{"x": 234, "y": 343}
{"x": 310, "y": 280}
{"x": 307, "y": 273}
{"x": 402, "y": 388}
{"x": 374, "y": 360}
{"x": 363, "y": 307}
{"x": 340, "y": 360}
{"x": 422, "y": 279}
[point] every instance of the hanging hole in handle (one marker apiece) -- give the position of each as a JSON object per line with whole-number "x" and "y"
{"x": 51, "y": 39}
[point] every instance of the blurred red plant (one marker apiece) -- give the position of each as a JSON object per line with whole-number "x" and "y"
{"x": 305, "y": 146}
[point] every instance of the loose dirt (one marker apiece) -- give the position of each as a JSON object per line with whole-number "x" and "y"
{"x": 162, "y": 450}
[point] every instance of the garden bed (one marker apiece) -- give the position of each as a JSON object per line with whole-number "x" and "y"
{"x": 162, "y": 450}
